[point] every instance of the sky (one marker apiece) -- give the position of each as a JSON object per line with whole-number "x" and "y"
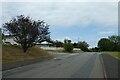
{"x": 76, "y": 20}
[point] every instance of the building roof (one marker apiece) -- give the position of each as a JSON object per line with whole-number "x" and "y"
{"x": 45, "y": 42}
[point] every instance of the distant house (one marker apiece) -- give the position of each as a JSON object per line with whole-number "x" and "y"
{"x": 8, "y": 40}
{"x": 44, "y": 44}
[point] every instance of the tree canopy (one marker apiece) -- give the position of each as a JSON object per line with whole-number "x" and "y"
{"x": 83, "y": 45}
{"x": 104, "y": 44}
{"x": 112, "y": 43}
{"x": 57, "y": 43}
{"x": 27, "y": 31}
{"x": 116, "y": 40}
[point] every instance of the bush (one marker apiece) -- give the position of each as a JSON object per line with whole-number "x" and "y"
{"x": 83, "y": 46}
{"x": 68, "y": 47}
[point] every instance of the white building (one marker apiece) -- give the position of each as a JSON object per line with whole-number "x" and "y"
{"x": 9, "y": 40}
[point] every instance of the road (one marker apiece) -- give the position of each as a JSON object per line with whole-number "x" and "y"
{"x": 111, "y": 66}
{"x": 78, "y": 65}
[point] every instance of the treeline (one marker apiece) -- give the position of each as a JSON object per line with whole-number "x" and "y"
{"x": 0, "y": 36}
{"x": 68, "y": 46}
{"x": 28, "y": 32}
{"x": 112, "y": 43}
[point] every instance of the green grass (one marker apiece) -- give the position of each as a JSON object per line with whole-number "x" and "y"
{"x": 114, "y": 54}
{"x": 12, "y": 53}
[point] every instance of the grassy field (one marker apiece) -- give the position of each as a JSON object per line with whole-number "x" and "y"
{"x": 114, "y": 54}
{"x": 14, "y": 53}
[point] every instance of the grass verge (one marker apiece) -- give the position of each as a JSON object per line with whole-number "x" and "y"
{"x": 12, "y": 53}
{"x": 114, "y": 54}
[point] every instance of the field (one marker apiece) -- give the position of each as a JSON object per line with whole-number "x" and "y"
{"x": 14, "y": 53}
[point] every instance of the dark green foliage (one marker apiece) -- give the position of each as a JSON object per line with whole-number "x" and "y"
{"x": 75, "y": 45}
{"x": 83, "y": 46}
{"x": 0, "y": 36}
{"x": 95, "y": 49}
{"x": 116, "y": 42}
{"x": 26, "y": 31}
{"x": 68, "y": 47}
{"x": 105, "y": 44}
{"x": 112, "y": 43}
{"x": 58, "y": 43}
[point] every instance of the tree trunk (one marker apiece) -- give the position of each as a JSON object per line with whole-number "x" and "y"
{"x": 24, "y": 47}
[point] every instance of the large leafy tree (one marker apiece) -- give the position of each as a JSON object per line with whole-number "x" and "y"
{"x": 83, "y": 45}
{"x": 116, "y": 40}
{"x": 27, "y": 31}
{"x": 105, "y": 44}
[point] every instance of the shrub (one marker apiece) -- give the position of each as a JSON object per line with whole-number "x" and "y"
{"x": 83, "y": 46}
{"x": 68, "y": 47}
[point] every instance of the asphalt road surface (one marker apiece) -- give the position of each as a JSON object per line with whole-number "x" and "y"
{"x": 78, "y": 65}
{"x": 111, "y": 66}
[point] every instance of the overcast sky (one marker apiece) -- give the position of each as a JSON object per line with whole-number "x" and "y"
{"x": 87, "y": 21}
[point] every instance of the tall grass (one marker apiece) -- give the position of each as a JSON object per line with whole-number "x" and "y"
{"x": 12, "y": 53}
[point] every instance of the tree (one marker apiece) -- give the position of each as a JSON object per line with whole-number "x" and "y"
{"x": 75, "y": 45}
{"x": 105, "y": 44}
{"x": 118, "y": 44}
{"x": 83, "y": 45}
{"x": 26, "y": 31}
{"x": 94, "y": 49}
{"x": 68, "y": 46}
{"x": 113, "y": 38}
{"x": 57, "y": 43}
{"x": 116, "y": 40}
{"x": 0, "y": 36}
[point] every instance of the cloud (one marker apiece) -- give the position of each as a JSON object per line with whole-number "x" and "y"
{"x": 60, "y": 0}
{"x": 104, "y": 33}
{"x": 65, "y": 14}
{"x": 69, "y": 19}
{"x": 0, "y": 15}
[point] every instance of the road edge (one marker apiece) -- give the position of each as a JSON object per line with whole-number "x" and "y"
{"x": 103, "y": 67}
{"x": 17, "y": 64}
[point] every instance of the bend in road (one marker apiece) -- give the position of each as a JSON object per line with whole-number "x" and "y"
{"x": 84, "y": 65}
